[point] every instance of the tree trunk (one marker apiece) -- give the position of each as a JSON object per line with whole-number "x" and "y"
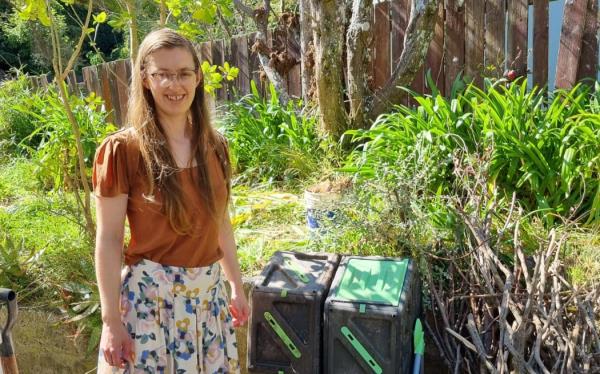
{"x": 423, "y": 15}
{"x": 163, "y": 13}
{"x": 328, "y": 31}
{"x": 358, "y": 45}
{"x": 306, "y": 35}
{"x": 133, "y": 29}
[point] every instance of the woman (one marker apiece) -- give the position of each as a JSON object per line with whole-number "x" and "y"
{"x": 168, "y": 172}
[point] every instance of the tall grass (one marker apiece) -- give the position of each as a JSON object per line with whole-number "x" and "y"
{"x": 544, "y": 149}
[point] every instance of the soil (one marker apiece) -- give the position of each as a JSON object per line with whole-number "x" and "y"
{"x": 44, "y": 346}
{"x": 336, "y": 186}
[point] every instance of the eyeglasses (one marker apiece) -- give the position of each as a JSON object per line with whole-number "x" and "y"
{"x": 165, "y": 79}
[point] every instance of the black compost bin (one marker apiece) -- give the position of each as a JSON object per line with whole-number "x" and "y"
{"x": 287, "y": 313}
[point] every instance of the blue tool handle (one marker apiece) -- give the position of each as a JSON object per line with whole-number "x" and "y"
{"x": 418, "y": 364}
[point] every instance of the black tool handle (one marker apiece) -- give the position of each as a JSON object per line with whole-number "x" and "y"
{"x": 9, "y": 298}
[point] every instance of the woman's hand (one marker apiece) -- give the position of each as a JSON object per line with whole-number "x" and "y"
{"x": 116, "y": 345}
{"x": 239, "y": 307}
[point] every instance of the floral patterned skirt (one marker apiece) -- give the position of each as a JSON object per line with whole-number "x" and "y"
{"x": 179, "y": 320}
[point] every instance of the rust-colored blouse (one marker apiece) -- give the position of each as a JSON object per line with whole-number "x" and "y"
{"x": 118, "y": 169}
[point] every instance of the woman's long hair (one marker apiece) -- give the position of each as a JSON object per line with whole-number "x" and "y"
{"x": 159, "y": 163}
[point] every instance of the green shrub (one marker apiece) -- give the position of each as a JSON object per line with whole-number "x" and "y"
{"x": 270, "y": 142}
{"x": 15, "y": 124}
{"x": 543, "y": 149}
{"x": 55, "y": 151}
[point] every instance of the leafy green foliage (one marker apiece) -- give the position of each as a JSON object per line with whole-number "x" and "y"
{"x": 214, "y": 75}
{"x": 15, "y": 125}
{"x": 15, "y": 261}
{"x": 194, "y": 18}
{"x": 270, "y": 142}
{"x": 56, "y": 153}
{"x": 544, "y": 150}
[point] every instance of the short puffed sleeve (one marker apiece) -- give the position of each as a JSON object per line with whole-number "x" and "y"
{"x": 109, "y": 176}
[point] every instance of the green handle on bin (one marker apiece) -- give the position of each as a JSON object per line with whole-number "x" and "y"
{"x": 361, "y": 350}
{"x": 297, "y": 270}
{"x": 282, "y": 335}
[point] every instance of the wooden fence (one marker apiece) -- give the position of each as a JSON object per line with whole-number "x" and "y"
{"x": 475, "y": 38}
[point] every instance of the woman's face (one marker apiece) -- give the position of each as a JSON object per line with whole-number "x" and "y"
{"x": 171, "y": 77}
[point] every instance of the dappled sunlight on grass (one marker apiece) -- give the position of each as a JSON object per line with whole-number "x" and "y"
{"x": 266, "y": 220}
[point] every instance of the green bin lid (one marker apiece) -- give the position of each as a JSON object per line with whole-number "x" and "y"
{"x": 372, "y": 281}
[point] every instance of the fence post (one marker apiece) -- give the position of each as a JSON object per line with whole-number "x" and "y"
{"x": 571, "y": 36}
{"x": 540, "y": 43}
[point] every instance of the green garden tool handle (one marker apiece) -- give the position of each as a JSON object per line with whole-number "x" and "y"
{"x": 7, "y": 354}
{"x": 419, "y": 347}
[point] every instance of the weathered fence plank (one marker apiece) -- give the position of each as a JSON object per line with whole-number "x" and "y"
{"x": 105, "y": 78}
{"x": 114, "y": 91}
{"x": 294, "y": 75}
{"x": 474, "y": 40}
{"x": 205, "y": 52}
{"x": 72, "y": 83}
{"x": 381, "y": 43}
{"x": 90, "y": 78}
{"x": 571, "y": 38}
{"x": 588, "y": 62}
{"x": 454, "y": 42}
{"x": 517, "y": 36}
{"x": 495, "y": 18}
{"x": 239, "y": 54}
{"x": 122, "y": 70}
{"x": 228, "y": 57}
{"x": 218, "y": 59}
{"x": 399, "y": 10}
{"x": 540, "y": 42}
{"x": 435, "y": 54}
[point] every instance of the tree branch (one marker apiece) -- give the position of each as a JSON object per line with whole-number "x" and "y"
{"x": 75, "y": 54}
{"x": 358, "y": 43}
{"x": 419, "y": 33}
{"x": 243, "y": 8}
{"x": 260, "y": 47}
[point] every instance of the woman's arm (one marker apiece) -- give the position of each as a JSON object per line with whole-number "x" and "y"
{"x": 239, "y": 305}
{"x": 110, "y": 215}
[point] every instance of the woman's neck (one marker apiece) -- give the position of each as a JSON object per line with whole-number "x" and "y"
{"x": 176, "y": 128}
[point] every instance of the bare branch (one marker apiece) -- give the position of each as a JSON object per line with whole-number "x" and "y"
{"x": 75, "y": 54}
